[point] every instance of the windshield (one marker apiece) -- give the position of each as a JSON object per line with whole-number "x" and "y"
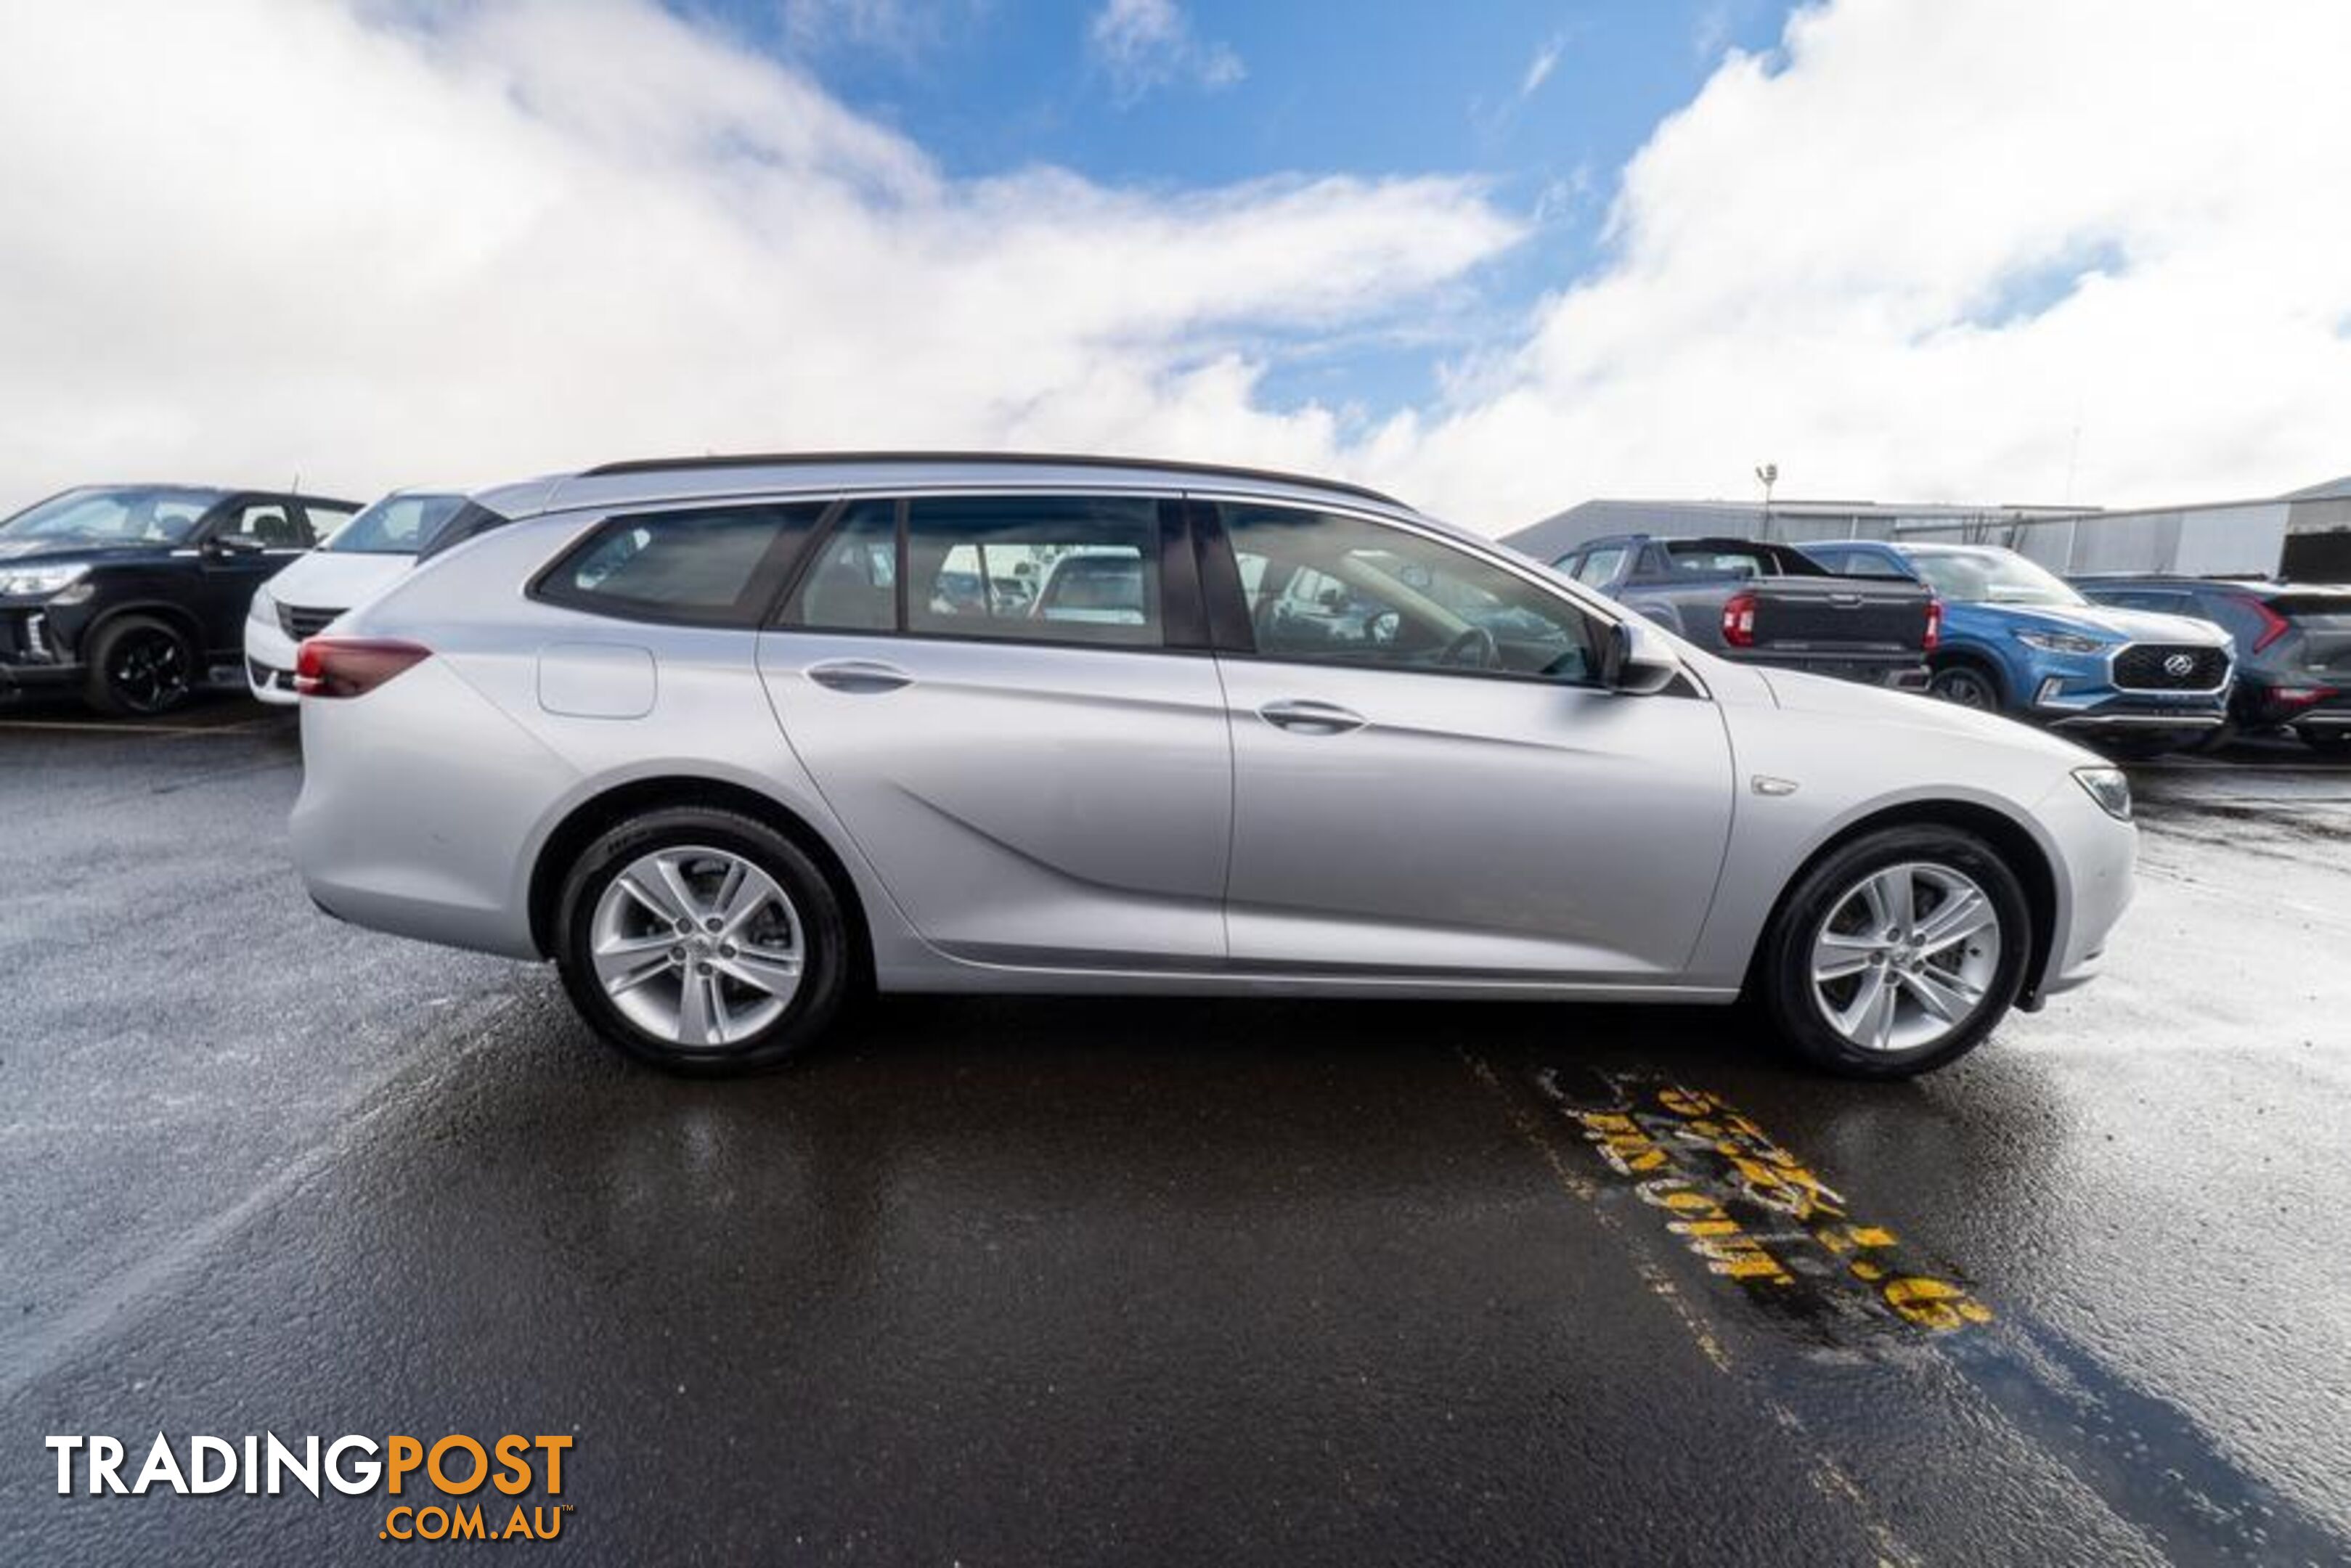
{"x": 133, "y": 515}
{"x": 1992, "y": 577}
{"x": 397, "y": 525}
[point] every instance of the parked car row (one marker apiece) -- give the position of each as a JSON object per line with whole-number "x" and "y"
{"x": 2019, "y": 639}
{"x": 2138, "y": 664}
{"x": 131, "y": 595}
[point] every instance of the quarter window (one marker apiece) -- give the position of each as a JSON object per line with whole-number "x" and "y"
{"x": 1601, "y": 565}
{"x": 1329, "y": 589}
{"x": 717, "y": 566}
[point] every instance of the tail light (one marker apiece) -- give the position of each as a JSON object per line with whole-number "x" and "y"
{"x": 2274, "y": 625}
{"x": 1739, "y": 619}
{"x": 352, "y": 666}
{"x": 1934, "y": 626}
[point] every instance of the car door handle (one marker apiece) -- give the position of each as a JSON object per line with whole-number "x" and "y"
{"x": 1302, "y": 717}
{"x": 858, "y": 675}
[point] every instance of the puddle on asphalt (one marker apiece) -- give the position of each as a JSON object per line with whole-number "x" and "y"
{"x": 1754, "y": 1215}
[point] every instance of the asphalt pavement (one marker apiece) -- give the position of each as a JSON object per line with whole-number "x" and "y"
{"x": 1233, "y": 1282}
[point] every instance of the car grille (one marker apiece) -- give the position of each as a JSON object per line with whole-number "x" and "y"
{"x": 2170, "y": 667}
{"x": 300, "y": 621}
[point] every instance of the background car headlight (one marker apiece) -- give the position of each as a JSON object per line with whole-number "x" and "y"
{"x": 40, "y": 582}
{"x": 263, "y": 608}
{"x": 2061, "y": 642}
{"x": 2109, "y": 789}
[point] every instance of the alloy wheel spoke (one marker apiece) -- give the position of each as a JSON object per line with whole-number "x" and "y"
{"x": 1958, "y": 917}
{"x": 697, "y": 1008}
{"x": 1895, "y": 895}
{"x": 1859, "y": 1020}
{"x": 1947, "y": 996}
{"x": 776, "y": 973}
{"x": 654, "y": 897}
{"x": 625, "y": 972}
{"x": 671, "y": 869}
{"x": 741, "y": 899}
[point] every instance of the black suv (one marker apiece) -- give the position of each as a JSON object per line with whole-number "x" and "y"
{"x": 133, "y": 592}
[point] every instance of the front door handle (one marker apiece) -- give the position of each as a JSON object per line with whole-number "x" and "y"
{"x": 858, "y": 675}
{"x": 1302, "y": 717}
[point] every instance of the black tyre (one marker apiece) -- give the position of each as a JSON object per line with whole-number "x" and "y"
{"x": 1896, "y": 953}
{"x": 139, "y": 664}
{"x": 1966, "y": 684}
{"x": 701, "y": 941}
{"x": 2327, "y": 742}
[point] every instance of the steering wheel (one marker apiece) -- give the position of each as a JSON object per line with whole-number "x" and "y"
{"x": 1472, "y": 648}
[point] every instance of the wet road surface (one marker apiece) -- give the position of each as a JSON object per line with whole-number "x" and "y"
{"x": 1239, "y": 1283}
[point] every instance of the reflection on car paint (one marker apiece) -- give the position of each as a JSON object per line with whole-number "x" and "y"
{"x": 1751, "y": 1211}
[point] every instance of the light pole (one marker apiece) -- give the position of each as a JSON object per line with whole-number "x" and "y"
{"x": 1767, "y": 475}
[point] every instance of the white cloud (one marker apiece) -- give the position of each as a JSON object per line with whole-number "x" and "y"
{"x": 1908, "y": 255}
{"x": 1145, "y": 45}
{"x": 1539, "y": 69}
{"x": 1904, "y": 256}
{"x": 494, "y": 239}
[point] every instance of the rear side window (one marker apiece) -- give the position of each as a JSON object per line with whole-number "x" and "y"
{"x": 1081, "y": 569}
{"x": 713, "y": 566}
{"x": 1054, "y": 569}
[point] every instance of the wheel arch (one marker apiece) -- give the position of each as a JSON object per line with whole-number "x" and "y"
{"x": 178, "y": 616}
{"x": 2013, "y": 841}
{"x": 586, "y": 821}
{"x": 1983, "y": 660}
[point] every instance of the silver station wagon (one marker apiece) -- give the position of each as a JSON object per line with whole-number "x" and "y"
{"x": 728, "y": 739}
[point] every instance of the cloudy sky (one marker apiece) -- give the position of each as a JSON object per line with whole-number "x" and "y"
{"x": 1499, "y": 257}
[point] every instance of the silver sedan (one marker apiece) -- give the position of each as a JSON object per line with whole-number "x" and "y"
{"x": 727, "y": 738}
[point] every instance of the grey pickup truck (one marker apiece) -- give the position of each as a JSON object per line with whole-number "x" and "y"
{"x": 1768, "y": 604}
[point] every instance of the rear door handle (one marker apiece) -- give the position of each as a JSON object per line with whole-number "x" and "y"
{"x": 1302, "y": 717}
{"x": 858, "y": 675}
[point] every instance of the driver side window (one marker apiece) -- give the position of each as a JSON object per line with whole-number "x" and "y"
{"x": 1328, "y": 589}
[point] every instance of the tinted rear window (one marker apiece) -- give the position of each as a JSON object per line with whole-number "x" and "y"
{"x": 715, "y": 566}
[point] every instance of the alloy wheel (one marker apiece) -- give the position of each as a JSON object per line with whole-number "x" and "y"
{"x": 1964, "y": 687}
{"x": 1907, "y": 956}
{"x": 148, "y": 670}
{"x": 697, "y": 947}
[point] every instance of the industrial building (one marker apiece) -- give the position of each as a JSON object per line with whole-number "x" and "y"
{"x": 2305, "y": 535}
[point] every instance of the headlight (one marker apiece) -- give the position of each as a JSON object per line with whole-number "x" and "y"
{"x": 40, "y": 582}
{"x": 263, "y": 608}
{"x": 2061, "y": 642}
{"x": 2109, "y": 789}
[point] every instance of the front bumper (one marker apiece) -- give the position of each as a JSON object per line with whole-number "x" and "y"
{"x": 2095, "y": 864}
{"x": 35, "y": 651}
{"x": 269, "y": 656}
{"x": 2078, "y": 691}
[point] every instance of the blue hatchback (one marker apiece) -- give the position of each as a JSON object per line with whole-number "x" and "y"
{"x": 2019, "y": 639}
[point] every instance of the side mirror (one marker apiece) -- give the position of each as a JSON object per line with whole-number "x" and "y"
{"x": 233, "y": 544}
{"x": 1636, "y": 661}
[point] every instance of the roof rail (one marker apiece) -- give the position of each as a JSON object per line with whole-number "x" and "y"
{"x": 1066, "y": 459}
